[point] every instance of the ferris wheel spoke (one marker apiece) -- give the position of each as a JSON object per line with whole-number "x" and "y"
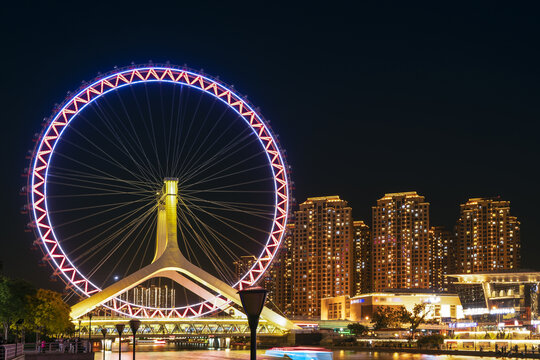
{"x": 84, "y": 208}
{"x": 147, "y": 235}
{"x": 242, "y": 135}
{"x": 103, "y": 184}
{"x": 117, "y": 143}
{"x": 113, "y": 181}
{"x": 224, "y": 206}
{"x": 104, "y": 191}
{"x": 134, "y": 232}
{"x": 195, "y": 139}
{"x": 91, "y": 215}
{"x": 205, "y": 245}
{"x": 226, "y": 221}
{"x": 144, "y": 161}
{"x": 257, "y": 207}
{"x": 183, "y": 98}
{"x": 117, "y": 223}
{"x": 190, "y": 126}
{"x": 94, "y": 168}
{"x": 217, "y": 235}
{"x": 113, "y": 237}
{"x": 185, "y": 231}
{"x": 152, "y": 131}
{"x": 189, "y": 156}
{"x": 232, "y": 186}
{"x": 224, "y": 153}
{"x": 216, "y": 176}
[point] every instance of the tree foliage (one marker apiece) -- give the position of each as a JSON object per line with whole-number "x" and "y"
{"x": 386, "y": 317}
{"x": 357, "y": 329}
{"x": 41, "y": 310}
{"x": 434, "y": 340}
{"x": 416, "y": 317}
{"x": 50, "y": 314}
{"x": 14, "y": 301}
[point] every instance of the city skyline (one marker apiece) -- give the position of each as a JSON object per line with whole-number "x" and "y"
{"x": 413, "y": 101}
{"x": 327, "y": 254}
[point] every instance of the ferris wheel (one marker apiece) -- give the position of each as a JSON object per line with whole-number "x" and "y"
{"x": 96, "y": 186}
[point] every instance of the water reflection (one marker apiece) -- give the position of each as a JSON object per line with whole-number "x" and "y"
{"x": 165, "y": 353}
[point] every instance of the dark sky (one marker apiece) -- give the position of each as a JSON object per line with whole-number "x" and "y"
{"x": 366, "y": 100}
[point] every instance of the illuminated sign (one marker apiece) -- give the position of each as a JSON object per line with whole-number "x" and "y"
{"x": 462, "y": 325}
{"x": 502, "y": 311}
{"x": 356, "y": 301}
{"x": 475, "y": 311}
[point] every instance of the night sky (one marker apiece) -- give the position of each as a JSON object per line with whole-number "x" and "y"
{"x": 366, "y": 100}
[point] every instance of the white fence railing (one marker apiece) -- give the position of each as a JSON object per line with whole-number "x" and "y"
{"x": 9, "y": 351}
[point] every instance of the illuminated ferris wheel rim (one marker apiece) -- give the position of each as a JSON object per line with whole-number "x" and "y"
{"x": 117, "y": 79}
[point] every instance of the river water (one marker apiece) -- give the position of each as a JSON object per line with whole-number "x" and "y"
{"x": 244, "y": 355}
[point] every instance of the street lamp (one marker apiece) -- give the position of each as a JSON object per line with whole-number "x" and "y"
{"x": 90, "y": 333}
{"x": 253, "y": 299}
{"x": 104, "y": 332}
{"x": 134, "y": 325}
{"x": 120, "y": 329}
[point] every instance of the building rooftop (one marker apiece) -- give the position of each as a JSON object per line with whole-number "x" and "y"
{"x": 516, "y": 276}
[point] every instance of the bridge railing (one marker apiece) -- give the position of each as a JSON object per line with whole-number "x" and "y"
{"x": 10, "y": 351}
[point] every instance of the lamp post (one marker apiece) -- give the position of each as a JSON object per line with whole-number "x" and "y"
{"x": 120, "y": 329}
{"x": 253, "y": 299}
{"x": 134, "y": 326}
{"x": 90, "y": 333}
{"x": 104, "y": 332}
{"x": 79, "y": 328}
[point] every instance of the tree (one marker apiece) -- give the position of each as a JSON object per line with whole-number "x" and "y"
{"x": 14, "y": 301}
{"x": 50, "y": 314}
{"x": 357, "y": 329}
{"x": 416, "y": 317}
{"x": 387, "y": 317}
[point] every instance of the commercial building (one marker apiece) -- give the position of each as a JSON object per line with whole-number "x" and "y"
{"x": 504, "y": 299}
{"x": 487, "y": 237}
{"x": 401, "y": 242}
{"x": 321, "y": 254}
{"x": 441, "y": 307}
{"x": 362, "y": 275}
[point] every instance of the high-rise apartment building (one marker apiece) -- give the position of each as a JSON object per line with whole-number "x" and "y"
{"x": 362, "y": 276}
{"x": 487, "y": 236}
{"x": 441, "y": 257}
{"x": 153, "y": 296}
{"x": 321, "y": 254}
{"x": 243, "y": 264}
{"x": 278, "y": 278}
{"x": 400, "y": 242}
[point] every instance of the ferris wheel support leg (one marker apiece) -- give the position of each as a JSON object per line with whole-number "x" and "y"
{"x": 230, "y": 293}
{"x": 88, "y": 304}
{"x": 199, "y": 290}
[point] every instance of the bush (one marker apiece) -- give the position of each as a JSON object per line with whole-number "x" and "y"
{"x": 434, "y": 340}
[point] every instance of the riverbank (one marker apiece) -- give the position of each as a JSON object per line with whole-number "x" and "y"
{"x": 521, "y": 355}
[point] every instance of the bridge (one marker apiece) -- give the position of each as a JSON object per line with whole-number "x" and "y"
{"x": 216, "y": 326}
